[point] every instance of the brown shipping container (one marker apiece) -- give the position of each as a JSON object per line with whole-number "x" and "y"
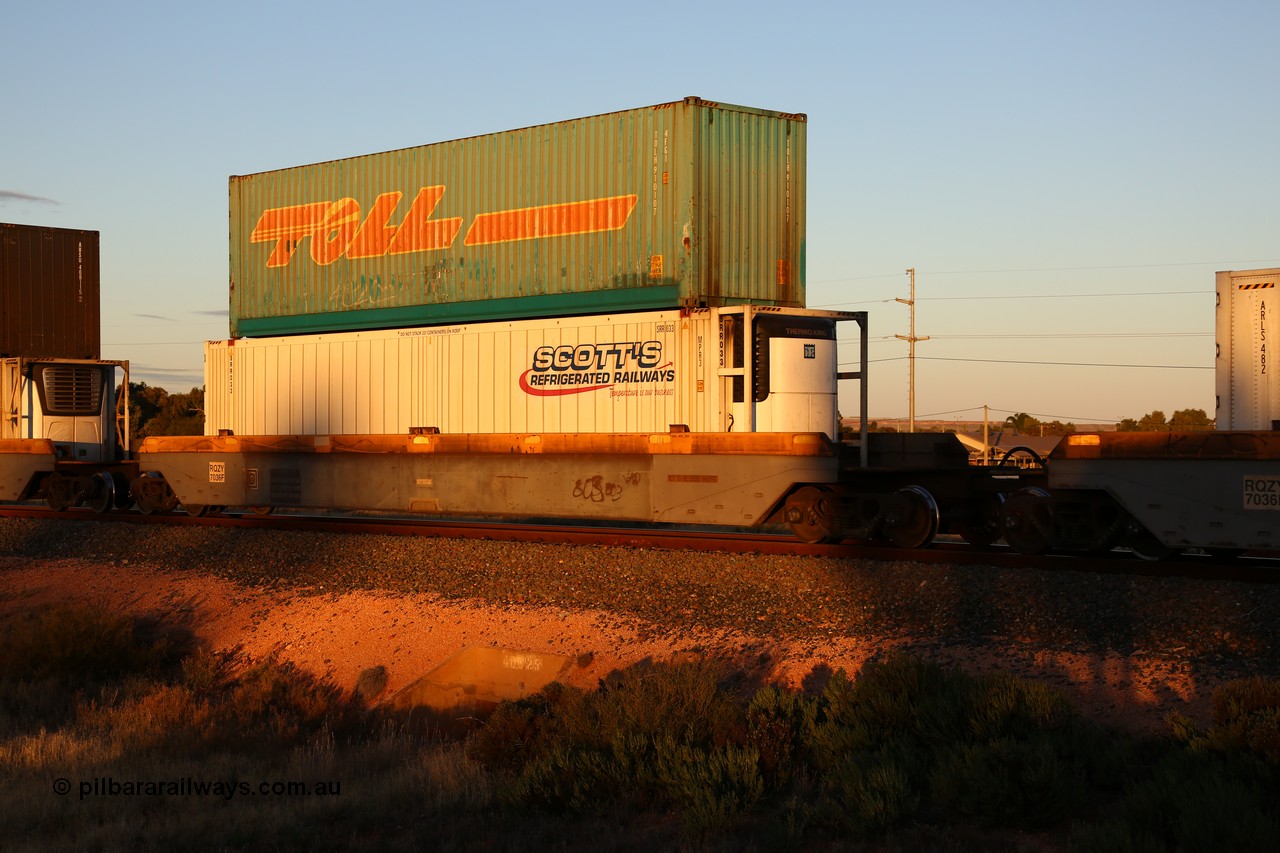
{"x": 49, "y": 292}
{"x": 691, "y": 203}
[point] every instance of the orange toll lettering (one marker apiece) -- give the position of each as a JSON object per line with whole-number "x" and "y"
{"x": 338, "y": 228}
{"x": 420, "y": 233}
{"x": 552, "y": 220}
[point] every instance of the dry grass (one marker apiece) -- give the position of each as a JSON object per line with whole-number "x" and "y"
{"x": 159, "y": 744}
{"x": 157, "y": 749}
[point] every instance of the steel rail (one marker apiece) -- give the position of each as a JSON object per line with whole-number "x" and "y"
{"x": 944, "y": 551}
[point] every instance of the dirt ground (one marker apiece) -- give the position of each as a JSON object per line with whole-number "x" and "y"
{"x": 338, "y": 636}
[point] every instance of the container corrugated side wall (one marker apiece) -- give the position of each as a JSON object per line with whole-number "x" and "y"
{"x": 49, "y": 292}
{"x": 1247, "y": 372}
{"x": 689, "y": 203}
{"x": 637, "y": 372}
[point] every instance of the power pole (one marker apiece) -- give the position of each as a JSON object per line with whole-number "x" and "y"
{"x": 986, "y": 436}
{"x": 911, "y": 357}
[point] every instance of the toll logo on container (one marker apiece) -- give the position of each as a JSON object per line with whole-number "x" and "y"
{"x": 340, "y": 228}
{"x": 577, "y": 369}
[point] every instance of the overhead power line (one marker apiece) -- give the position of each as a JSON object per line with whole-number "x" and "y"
{"x": 1030, "y": 296}
{"x": 1074, "y": 295}
{"x": 1003, "y": 271}
{"x": 1077, "y": 363}
{"x": 1220, "y": 264}
{"x": 1073, "y": 335}
{"x": 1049, "y": 363}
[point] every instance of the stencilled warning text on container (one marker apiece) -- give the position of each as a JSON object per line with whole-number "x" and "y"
{"x": 1262, "y": 492}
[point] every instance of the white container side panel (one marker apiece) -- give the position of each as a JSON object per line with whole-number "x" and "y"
{"x": 605, "y": 374}
{"x": 628, "y": 373}
{"x": 1248, "y": 363}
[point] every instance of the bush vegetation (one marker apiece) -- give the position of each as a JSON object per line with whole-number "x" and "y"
{"x": 684, "y": 755}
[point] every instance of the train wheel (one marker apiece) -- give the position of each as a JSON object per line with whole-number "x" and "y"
{"x": 58, "y": 493}
{"x": 913, "y": 518}
{"x": 810, "y": 514}
{"x": 984, "y": 526}
{"x": 1028, "y": 521}
{"x": 153, "y": 494}
{"x": 197, "y": 510}
{"x": 262, "y": 510}
{"x": 102, "y": 492}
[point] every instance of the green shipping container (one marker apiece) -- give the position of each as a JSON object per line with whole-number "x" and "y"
{"x": 691, "y": 203}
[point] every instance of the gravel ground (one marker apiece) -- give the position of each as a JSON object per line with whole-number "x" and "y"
{"x": 1195, "y": 633}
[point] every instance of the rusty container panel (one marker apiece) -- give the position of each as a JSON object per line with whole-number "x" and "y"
{"x": 685, "y": 204}
{"x": 49, "y": 292}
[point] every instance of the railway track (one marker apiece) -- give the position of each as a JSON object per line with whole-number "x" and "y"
{"x": 945, "y": 550}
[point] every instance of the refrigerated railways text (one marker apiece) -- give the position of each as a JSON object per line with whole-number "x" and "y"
{"x": 590, "y": 367}
{"x": 600, "y": 379}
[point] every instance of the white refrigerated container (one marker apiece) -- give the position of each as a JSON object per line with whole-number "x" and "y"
{"x": 616, "y": 373}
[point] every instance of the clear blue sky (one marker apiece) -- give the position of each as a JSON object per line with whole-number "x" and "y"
{"x": 1032, "y": 161}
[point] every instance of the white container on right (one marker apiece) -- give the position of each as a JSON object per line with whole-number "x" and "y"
{"x": 1248, "y": 361}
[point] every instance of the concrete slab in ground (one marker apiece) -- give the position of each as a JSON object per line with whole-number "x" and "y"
{"x": 479, "y": 677}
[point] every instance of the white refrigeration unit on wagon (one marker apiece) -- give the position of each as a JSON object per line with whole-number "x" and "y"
{"x": 731, "y": 369}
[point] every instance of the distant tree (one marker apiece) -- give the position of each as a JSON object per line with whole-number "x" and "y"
{"x": 183, "y": 414}
{"x": 1190, "y": 420}
{"x": 145, "y": 402}
{"x": 1059, "y": 428}
{"x": 1022, "y": 423}
{"x": 154, "y": 411}
{"x": 1153, "y": 422}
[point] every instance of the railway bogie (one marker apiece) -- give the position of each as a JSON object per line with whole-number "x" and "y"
{"x": 1156, "y": 494}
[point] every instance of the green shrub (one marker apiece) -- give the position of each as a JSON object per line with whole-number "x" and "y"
{"x": 712, "y": 786}
{"x": 1246, "y": 716}
{"x": 777, "y": 720}
{"x": 274, "y": 705}
{"x": 1002, "y": 705}
{"x": 868, "y": 793}
{"x": 1023, "y": 782}
{"x": 653, "y": 736}
{"x": 519, "y": 732}
{"x": 80, "y": 646}
{"x": 901, "y": 700}
{"x": 1191, "y": 801}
